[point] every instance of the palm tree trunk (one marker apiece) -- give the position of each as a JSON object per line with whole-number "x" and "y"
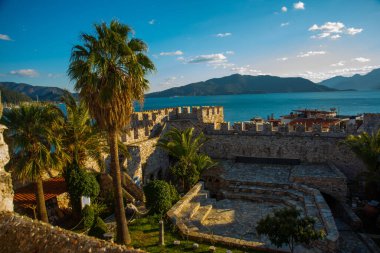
{"x": 123, "y": 236}
{"x": 41, "y": 206}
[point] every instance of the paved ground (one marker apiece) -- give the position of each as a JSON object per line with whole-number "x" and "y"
{"x": 273, "y": 173}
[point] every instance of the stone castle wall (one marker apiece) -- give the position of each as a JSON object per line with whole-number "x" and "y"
{"x": 309, "y": 149}
{"x": 241, "y": 139}
{"x": 24, "y": 235}
{"x": 6, "y": 189}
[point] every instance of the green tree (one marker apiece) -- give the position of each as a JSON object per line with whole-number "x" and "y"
{"x": 35, "y": 133}
{"x": 80, "y": 183}
{"x": 367, "y": 148}
{"x": 286, "y": 226}
{"x": 159, "y": 196}
{"x": 184, "y": 146}
{"x": 109, "y": 70}
{"x": 82, "y": 139}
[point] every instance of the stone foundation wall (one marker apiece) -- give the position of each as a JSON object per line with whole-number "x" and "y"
{"x": 146, "y": 160}
{"x": 24, "y": 235}
{"x": 310, "y": 149}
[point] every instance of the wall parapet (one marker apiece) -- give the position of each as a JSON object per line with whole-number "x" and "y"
{"x": 250, "y": 128}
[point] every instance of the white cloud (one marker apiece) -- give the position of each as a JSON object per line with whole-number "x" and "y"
{"x": 333, "y": 30}
{"x": 152, "y": 21}
{"x": 230, "y": 52}
{"x": 319, "y": 76}
{"x": 311, "y": 53}
{"x": 209, "y": 58}
{"x": 181, "y": 58}
{"x": 178, "y": 52}
{"x": 222, "y": 35}
{"x": 335, "y": 37}
{"x": 284, "y": 9}
{"x": 338, "y": 64}
{"x": 25, "y": 72}
{"x": 52, "y": 75}
{"x": 284, "y": 24}
{"x": 246, "y": 70}
{"x": 5, "y": 37}
{"x": 299, "y": 6}
{"x": 282, "y": 59}
{"x": 361, "y": 59}
{"x": 353, "y": 31}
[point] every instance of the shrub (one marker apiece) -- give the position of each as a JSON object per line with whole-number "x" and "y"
{"x": 80, "y": 183}
{"x": 88, "y": 215}
{"x": 286, "y": 226}
{"x": 158, "y": 196}
{"x": 173, "y": 194}
{"x": 98, "y": 229}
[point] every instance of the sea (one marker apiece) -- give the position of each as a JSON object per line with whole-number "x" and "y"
{"x": 245, "y": 107}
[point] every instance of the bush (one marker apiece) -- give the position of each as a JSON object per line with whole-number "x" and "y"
{"x": 88, "y": 215}
{"x": 98, "y": 229}
{"x": 173, "y": 194}
{"x": 158, "y": 196}
{"x": 80, "y": 183}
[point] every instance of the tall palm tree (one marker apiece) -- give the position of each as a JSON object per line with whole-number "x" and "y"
{"x": 109, "y": 69}
{"x": 184, "y": 146}
{"x": 35, "y": 134}
{"x": 367, "y": 148}
{"x": 82, "y": 139}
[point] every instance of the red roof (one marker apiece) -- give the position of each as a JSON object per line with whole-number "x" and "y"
{"x": 308, "y": 122}
{"x": 53, "y": 187}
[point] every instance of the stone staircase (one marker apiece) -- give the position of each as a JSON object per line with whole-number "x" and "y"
{"x": 286, "y": 194}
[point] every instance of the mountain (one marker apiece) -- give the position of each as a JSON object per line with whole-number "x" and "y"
{"x": 370, "y": 81}
{"x": 42, "y": 93}
{"x": 243, "y": 84}
{"x": 13, "y": 97}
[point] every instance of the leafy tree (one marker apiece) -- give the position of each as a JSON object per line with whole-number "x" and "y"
{"x": 88, "y": 215}
{"x": 80, "y": 183}
{"x": 286, "y": 226}
{"x": 35, "y": 135}
{"x": 184, "y": 146}
{"x": 109, "y": 70}
{"x": 82, "y": 139}
{"x": 367, "y": 148}
{"x": 159, "y": 196}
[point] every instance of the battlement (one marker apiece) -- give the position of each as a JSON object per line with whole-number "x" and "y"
{"x": 145, "y": 124}
{"x": 251, "y": 128}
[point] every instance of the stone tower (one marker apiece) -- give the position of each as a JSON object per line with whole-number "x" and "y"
{"x": 6, "y": 189}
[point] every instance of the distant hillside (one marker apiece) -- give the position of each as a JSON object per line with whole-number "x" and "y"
{"x": 370, "y": 81}
{"x": 42, "y": 93}
{"x": 13, "y": 97}
{"x": 243, "y": 84}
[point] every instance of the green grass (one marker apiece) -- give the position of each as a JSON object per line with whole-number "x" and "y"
{"x": 144, "y": 233}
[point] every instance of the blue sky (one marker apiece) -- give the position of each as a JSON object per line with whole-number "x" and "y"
{"x": 196, "y": 40}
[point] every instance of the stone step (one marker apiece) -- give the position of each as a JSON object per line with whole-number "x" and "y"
{"x": 293, "y": 194}
{"x": 201, "y": 196}
{"x": 201, "y": 214}
{"x": 188, "y": 210}
{"x": 251, "y": 196}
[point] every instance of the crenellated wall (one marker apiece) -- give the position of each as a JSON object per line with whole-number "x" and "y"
{"x": 148, "y": 124}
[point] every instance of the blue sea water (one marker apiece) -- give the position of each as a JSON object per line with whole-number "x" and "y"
{"x": 245, "y": 107}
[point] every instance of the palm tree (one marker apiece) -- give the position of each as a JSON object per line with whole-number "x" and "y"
{"x": 184, "y": 146}
{"x": 367, "y": 148}
{"x": 36, "y": 145}
{"x": 82, "y": 139}
{"x": 109, "y": 70}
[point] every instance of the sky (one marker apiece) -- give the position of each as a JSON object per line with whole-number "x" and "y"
{"x": 195, "y": 40}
